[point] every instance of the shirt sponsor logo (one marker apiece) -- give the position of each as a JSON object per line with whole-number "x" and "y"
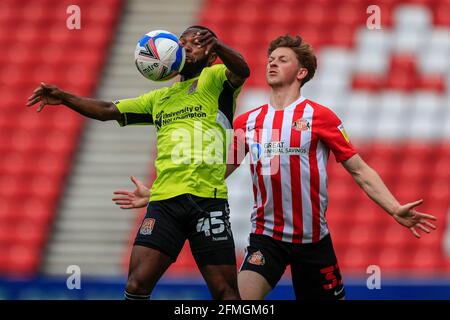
{"x": 277, "y": 148}
{"x": 147, "y": 226}
{"x": 163, "y": 118}
{"x": 301, "y": 125}
{"x": 256, "y": 258}
{"x": 256, "y": 151}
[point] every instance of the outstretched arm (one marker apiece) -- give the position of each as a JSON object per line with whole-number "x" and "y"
{"x": 91, "y": 108}
{"x": 369, "y": 180}
{"x": 138, "y": 198}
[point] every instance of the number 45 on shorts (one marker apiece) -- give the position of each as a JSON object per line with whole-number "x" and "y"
{"x": 214, "y": 224}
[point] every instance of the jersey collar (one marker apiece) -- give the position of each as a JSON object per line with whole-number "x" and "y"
{"x": 289, "y": 107}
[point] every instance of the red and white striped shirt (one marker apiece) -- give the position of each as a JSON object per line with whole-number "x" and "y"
{"x": 289, "y": 150}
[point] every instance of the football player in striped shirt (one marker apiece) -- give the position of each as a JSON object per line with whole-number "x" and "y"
{"x": 289, "y": 140}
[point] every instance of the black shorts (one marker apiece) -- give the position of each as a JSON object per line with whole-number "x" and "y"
{"x": 314, "y": 267}
{"x": 202, "y": 221}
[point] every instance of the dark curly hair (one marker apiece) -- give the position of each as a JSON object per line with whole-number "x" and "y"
{"x": 202, "y": 28}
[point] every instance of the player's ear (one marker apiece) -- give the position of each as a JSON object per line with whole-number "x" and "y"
{"x": 302, "y": 73}
{"x": 212, "y": 57}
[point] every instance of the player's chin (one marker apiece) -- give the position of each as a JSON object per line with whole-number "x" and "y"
{"x": 273, "y": 80}
{"x": 188, "y": 67}
{"x": 192, "y": 66}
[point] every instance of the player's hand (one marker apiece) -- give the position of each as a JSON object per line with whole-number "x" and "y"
{"x": 46, "y": 94}
{"x": 407, "y": 216}
{"x": 132, "y": 199}
{"x": 205, "y": 39}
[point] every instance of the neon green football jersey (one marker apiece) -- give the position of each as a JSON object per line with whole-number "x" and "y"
{"x": 192, "y": 119}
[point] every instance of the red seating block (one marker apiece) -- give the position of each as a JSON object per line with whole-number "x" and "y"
{"x": 394, "y": 236}
{"x": 314, "y": 15}
{"x": 439, "y": 190}
{"x": 403, "y": 63}
{"x": 441, "y": 16}
{"x": 432, "y": 83}
{"x": 391, "y": 260}
{"x": 37, "y": 149}
{"x": 355, "y": 259}
{"x": 342, "y": 36}
{"x": 368, "y": 82}
{"x": 23, "y": 260}
{"x": 401, "y": 81}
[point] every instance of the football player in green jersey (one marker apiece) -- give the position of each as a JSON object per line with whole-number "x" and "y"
{"x": 188, "y": 199}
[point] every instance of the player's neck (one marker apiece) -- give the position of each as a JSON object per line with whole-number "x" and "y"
{"x": 281, "y": 97}
{"x": 186, "y": 77}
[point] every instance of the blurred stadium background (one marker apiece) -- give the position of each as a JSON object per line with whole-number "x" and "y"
{"x": 58, "y": 170}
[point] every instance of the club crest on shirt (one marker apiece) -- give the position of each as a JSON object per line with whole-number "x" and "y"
{"x": 147, "y": 226}
{"x": 301, "y": 125}
{"x": 256, "y": 258}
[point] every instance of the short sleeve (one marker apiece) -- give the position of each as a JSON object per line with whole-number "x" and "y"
{"x": 136, "y": 111}
{"x": 333, "y": 134}
{"x": 217, "y": 75}
{"x": 217, "y": 85}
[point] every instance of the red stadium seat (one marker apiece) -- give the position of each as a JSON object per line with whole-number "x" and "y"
{"x": 394, "y": 236}
{"x": 355, "y": 259}
{"x": 432, "y": 83}
{"x": 439, "y": 190}
{"x": 426, "y": 261}
{"x": 369, "y": 82}
{"x": 399, "y": 80}
{"x": 349, "y": 14}
{"x": 315, "y": 15}
{"x": 441, "y": 16}
{"x": 391, "y": 260}
{"x": 412, "y": 169}
{"x": 363, "y": 236}
{"x": 408, "y": 190}
{"x": 441, "y": 167}
{"x": 403, "y": 63}
{"x": 367, "y": 214}
{"x": 342, "y": 36}
{"x": 22, "y": 260}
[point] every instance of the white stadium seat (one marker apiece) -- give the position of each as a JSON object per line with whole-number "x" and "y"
{"x": 371, "y": 61}
{"x": 439, "y": 40}
{"x": 411, "y": 17}
{"x": 373, "y": 40}
{"x": 409, "y": 40}
{"x": 433, "y": 61}
{"x": 336, "y": 60}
